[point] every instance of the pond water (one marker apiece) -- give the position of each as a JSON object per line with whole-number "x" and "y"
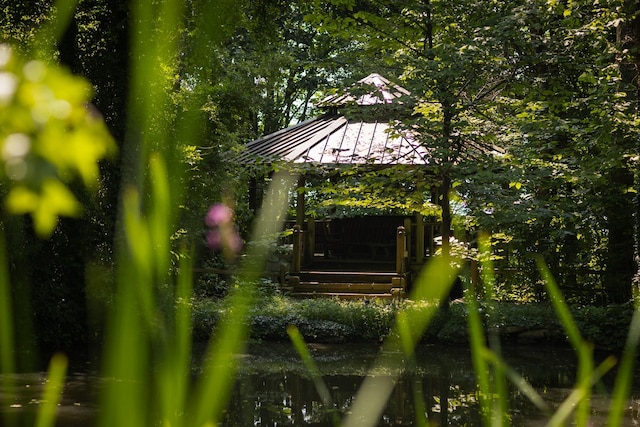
{"x": 273, "y": 388}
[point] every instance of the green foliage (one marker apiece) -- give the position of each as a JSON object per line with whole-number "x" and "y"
{"x": 361, "y": 191}
{"x": 530, "y": 113}
{"x": 333, "y": 320}
{"x": 49, "y": 139}
{"x": 464, "y": 54}
{"x": 206, "y": 314}
{"x": 605, "y": 327}
{"x": 323, "y": 320}
{"x": 19, "y": 22}
{"x": 566, "y": 118}
{"x": 211, "y": 286}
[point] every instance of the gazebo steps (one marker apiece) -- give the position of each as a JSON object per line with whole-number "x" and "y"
{"x": 341, "y": 284}
{"x": 349, "y": 277}
{"x": 344, "y": 295}
{"x": 376, "y": 288}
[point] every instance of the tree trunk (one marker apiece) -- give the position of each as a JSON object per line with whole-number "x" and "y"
{"x": 445, "y": 203}
{"x": 445, "y": 186}
{"x": 620, "y": 246}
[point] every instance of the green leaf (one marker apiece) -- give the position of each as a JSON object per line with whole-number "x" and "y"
{"x": 53, "y": 200}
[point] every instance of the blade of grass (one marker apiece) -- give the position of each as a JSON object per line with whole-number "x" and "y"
{"x": 519, "y": 381}
{"x": 125, "y": 396}
{"x": 7, "y": 361}
{"x": 624, "y": 377}
{"x": 480, "y": 367}
{"x": 212, "y": 391}
{"x": 130, "y": 334}
{"x": 312, "y": 369}
{"x": 407, "y": 345}
{"x": 183, "y": 327}
{"x": 7, "y": 339}
{"x": 500, "y": 406}
{"x": 159, "y": 215}
{"x": 478, "y": 347}
{"x": 583, "y": 349}
{"x": 174, "y": 378}
{"x": 52, "y": 393}
{"x": 491, "y": 377}
{"x": 420, "y": 407}
{"x": 581, "y": 392}
{"x": 432, "y": 285}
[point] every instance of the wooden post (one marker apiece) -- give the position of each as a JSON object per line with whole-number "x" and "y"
{"x": 431, "y": 237}
{"x": 419, "y": 238}
{"x": 309, "y": 241}
{"x": 475, "y": 274}
{"x": 253, "y": 195}
{"x": 300, "y": 202}
{"x": 401, "y": 250}
{"x": 297, "y": 249}
{"x": 408, "y": 234}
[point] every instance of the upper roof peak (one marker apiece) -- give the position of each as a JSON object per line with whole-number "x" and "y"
{"x": 382, "y": 91}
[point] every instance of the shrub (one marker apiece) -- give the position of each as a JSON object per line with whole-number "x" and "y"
{"x": 205, "y": 314}
{"x": 605, "y": 327}
{"x": 333, "y": 320}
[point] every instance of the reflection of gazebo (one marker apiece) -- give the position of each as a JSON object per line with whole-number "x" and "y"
{"x": 351, "y": 256}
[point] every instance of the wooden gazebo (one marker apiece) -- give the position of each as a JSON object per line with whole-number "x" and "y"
{"x": 352, "y": 257}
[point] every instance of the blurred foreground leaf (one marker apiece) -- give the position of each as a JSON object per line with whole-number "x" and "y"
{"x": 49, "y": 138}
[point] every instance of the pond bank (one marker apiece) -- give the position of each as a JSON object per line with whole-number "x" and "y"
{"x": 370, "y": 321}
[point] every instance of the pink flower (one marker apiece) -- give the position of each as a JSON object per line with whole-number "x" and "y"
{"x": 213, "y": 240}
{"x": 222, "y": 234}
{"x": 218, "y": 214}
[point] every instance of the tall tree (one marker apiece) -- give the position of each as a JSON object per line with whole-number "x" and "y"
{"x": 628, "y": 40}
{"x": 541, "y": 79}
{"x": 452, "y": 57}
{"x": 574, "y": 112}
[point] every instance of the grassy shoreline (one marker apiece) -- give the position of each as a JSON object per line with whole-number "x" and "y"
{"x": 337, "y": 321}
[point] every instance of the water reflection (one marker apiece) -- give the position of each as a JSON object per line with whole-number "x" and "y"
{"x": 21, "y": 394}
{"x": 273, "y": 388}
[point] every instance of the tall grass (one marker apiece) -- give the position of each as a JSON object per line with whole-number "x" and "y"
{"x": 148, "y": 348}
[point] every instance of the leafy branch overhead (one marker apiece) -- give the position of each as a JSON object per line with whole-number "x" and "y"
{"x": 359, "y": 191}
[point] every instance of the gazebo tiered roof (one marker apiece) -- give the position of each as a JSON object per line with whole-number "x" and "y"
{"x": 339, "y": 139}
{"x": 378, "y": 90}
{"x": 358, "y": 127}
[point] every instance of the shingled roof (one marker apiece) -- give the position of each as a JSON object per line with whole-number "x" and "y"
{"x": 339, "y": 140}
